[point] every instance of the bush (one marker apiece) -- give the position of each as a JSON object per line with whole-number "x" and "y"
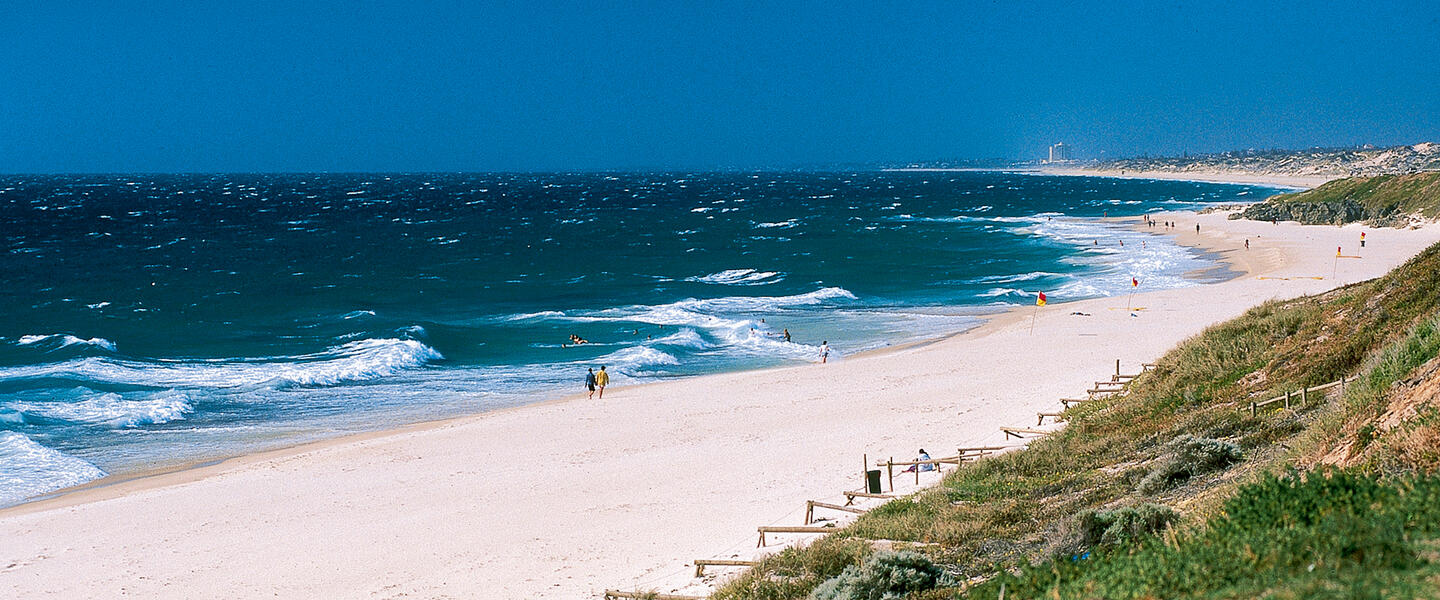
{"x": 1334, "y": 534}
{"x": 1124, "y": 525}
{"x": 884, "y": 576}
{"x": 1189, "y": 457}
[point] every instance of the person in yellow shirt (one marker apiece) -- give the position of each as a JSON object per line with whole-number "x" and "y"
{"x": 602, "y": 379}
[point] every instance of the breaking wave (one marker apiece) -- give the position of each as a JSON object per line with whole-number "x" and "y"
{"x": 55, "y": 341}
{"x": 111, "y": 409}
{"x": 357, "y": 361}
{"x": 28, "y": 469}
{"x": 738, "y": 277}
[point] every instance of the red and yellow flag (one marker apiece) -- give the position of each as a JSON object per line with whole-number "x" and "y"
{"x": 1040, "y": 300}
{"x": 1337, "y": 251}
{"x": 1134, "y": 282}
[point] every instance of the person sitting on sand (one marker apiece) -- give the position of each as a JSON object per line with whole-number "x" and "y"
{"x": 923, "y": 468}
{"x": 602, "y": 379}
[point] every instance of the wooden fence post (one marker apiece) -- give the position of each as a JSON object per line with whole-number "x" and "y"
{"x": 890, "y": 471}
{"x": 1305, "y": 396}
{"x": 1252, "y": 410}
{"x": 1287, "y": 400}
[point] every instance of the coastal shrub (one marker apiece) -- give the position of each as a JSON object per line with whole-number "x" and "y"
{"x": 884, "y": 576}
{"x": 1189, "y": 456}
{"x": 1336, "y": 534}
{"x": 793, "y": 572}
{"x": 1123, "y": 525}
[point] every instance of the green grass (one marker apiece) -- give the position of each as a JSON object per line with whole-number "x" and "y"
{"x": 1021, "y": 508}
{"x": 1331, "y": 535}
{"x": 1382, "y": 199}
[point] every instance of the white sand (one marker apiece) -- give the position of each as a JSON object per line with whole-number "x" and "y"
{"x": 1298, "y": 181}
{"x": 566, "y": 498}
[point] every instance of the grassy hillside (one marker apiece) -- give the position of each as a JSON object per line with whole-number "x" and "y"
{"x": 1172, "y": 491}
{"x": 1383, "y": 200}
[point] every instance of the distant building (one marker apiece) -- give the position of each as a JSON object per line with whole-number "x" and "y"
{"x": 1059, "y": 153}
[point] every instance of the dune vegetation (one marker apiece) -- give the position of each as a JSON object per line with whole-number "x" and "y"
{"x": 1382, "y": 200}
{"x": 1173, "y": 489}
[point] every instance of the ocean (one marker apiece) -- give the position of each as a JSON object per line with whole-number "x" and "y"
{"x": 156, "y": 320}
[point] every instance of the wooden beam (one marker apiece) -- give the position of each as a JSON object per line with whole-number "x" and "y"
{"x": 641, "y": 595}
{"x": 1068, "y": 401}
{"x": 1041, "y": 420}
{"x": 811, "y": 505}
{"x": 1016, "y": 431}
{"x": 764, "y": 529}
{"x": 701, "y": 563}
{"x": 851, "y": 496}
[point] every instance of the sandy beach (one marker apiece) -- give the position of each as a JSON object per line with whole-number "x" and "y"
{"x": 1296, "y": 181}
{"x": 566, "y": 498}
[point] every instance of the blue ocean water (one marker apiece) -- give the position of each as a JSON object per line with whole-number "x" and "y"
{"x": 155, "y": 319}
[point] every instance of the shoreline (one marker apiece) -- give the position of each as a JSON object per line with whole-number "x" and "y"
{"x": 657, "y": 449}
{"x": 1303, "y": 182}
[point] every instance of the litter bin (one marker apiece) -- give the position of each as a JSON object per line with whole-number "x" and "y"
{"x": 872, "y": 481}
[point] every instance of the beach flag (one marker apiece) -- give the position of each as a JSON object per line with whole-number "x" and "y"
{"x": 1337, "y": 251}
{"x": 1040, "y": 300}
{"x": 1134, "y": 282}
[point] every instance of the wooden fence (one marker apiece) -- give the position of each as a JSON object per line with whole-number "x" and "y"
{"x": 1303, "y": 394}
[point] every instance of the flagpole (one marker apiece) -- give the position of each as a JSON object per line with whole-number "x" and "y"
{"x": 1033, "y": 316}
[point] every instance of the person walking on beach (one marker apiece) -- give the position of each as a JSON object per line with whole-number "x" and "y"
{"x": 1197, "y": 228}
{"x": 590, "y": 382}
{"x": 824, "y": 351}
{"x": 602, "y": 379}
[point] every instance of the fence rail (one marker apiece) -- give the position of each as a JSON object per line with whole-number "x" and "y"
{"x": 1303, "y": 394}
{"x": 701, "y": 563}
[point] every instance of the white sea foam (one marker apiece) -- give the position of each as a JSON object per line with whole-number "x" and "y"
{"x": 635, "y": 359}
{"x": 1014, "y": 278}
{"x": 544, "y": 314}
{"x": 357, "y": 361}
{"x": 28, "y": 469}
{"x": 738, "y": 277}
{"x": 355, "y": 314}
{"x": 112, "y": 410}
{"x": 786, "y": 224}
{"x": 685, "y": 338}
{"x": 61, "y": 340}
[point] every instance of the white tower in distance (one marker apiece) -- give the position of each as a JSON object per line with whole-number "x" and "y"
{"x": 1059, "y": 153}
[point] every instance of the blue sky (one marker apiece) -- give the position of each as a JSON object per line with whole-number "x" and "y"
{"x": 459, "y": 86}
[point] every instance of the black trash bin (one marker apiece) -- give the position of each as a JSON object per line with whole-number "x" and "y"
{"x": 872, "y": 481}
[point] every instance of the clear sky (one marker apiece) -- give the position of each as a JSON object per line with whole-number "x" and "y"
{"x": 448, "y": 86}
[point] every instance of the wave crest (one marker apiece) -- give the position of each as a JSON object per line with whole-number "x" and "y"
{"x": 56, "y": 341}
{"x": 360, "y": 360}
{"x": 112, "y": 410}
{"x": 738, "y": 277}
{"x": 28, "y": 469}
